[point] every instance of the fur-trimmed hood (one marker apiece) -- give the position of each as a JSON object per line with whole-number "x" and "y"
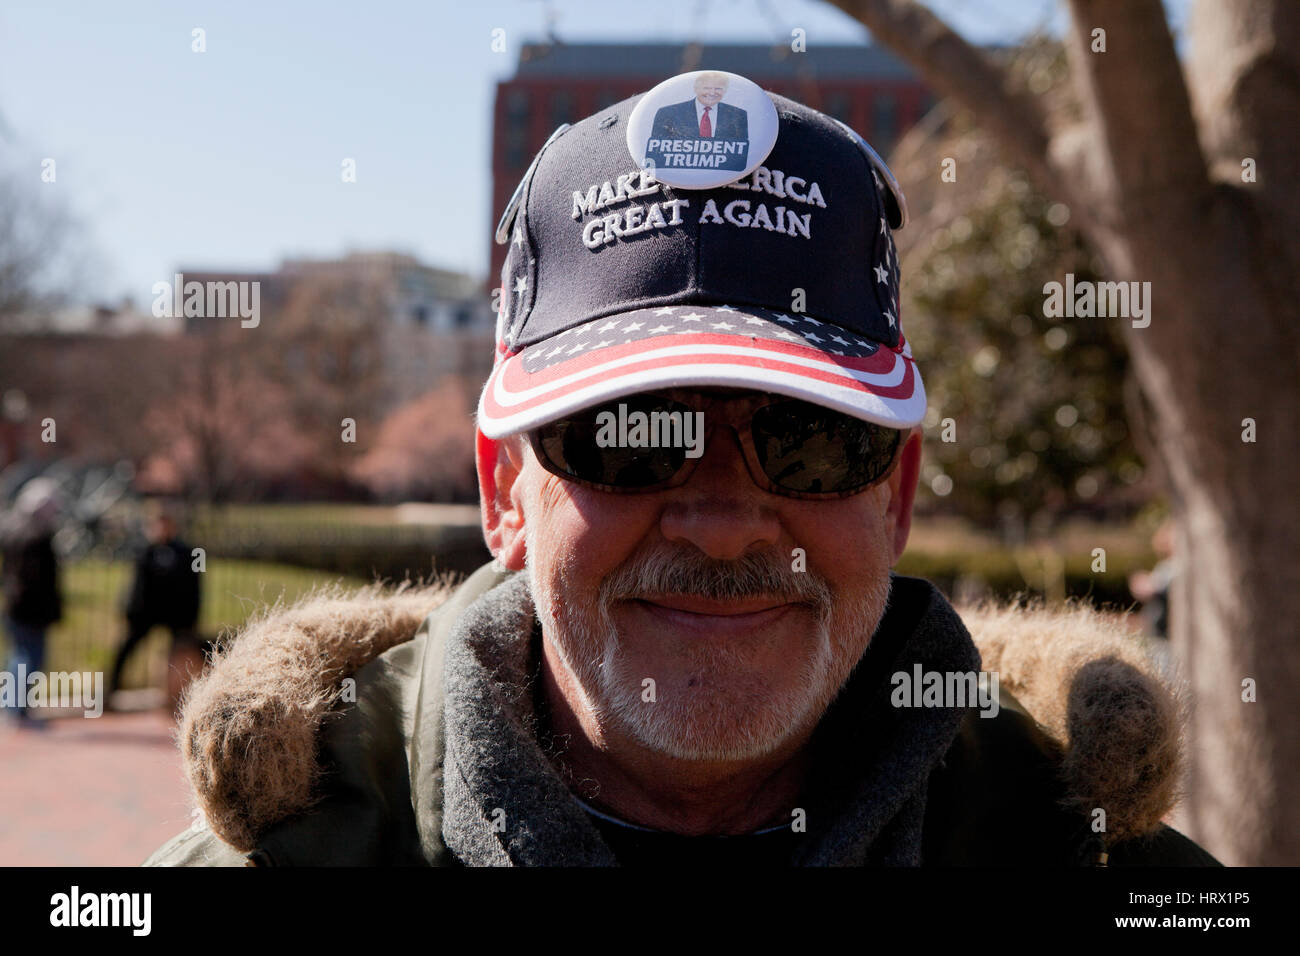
{"x": 250, "y": 728}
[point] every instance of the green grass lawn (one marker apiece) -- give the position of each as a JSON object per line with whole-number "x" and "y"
{"x": 94, "y": 592}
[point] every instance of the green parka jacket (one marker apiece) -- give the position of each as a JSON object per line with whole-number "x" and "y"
{"x": 343, "y": 731}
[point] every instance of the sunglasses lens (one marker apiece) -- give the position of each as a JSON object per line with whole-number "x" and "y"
{"x": 592, "y": 446}
{"x": 813, "y": 450}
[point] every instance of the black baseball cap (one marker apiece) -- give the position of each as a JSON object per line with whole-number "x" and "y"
{"x": 784, "y": 279}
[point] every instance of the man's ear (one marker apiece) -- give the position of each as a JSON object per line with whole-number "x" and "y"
{"x": 902, "y": 492}
{"x": 500, "y": 498}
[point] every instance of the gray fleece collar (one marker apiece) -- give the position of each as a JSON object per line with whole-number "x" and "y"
{"x": 504, "y": 804}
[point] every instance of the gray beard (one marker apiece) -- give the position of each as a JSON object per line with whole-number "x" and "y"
{"x": 728, "y": 724}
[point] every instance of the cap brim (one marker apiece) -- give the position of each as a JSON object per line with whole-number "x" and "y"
{"x": 706, "y": 345}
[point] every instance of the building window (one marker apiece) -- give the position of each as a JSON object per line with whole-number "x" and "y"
{"x": 561, "y": 108}
{"x": 884, "y": 122}
{"x": 839, "y": 106}
{"x": 420, "y": 315}
{"x": 463, "y": 318}
{"x": 517, "y": 105}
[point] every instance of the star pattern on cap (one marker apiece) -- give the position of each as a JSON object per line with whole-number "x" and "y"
{"x": 516, "y": 291}
{"x": 887, "y": 276}
{"x": 593, "y": 335}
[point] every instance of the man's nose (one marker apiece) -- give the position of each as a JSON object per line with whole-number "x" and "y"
{"x": 720, "y": 510}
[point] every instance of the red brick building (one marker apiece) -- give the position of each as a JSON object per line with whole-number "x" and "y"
{"x": 554, "y": 83}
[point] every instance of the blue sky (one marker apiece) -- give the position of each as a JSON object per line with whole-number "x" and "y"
{"x": 231, "y": 158}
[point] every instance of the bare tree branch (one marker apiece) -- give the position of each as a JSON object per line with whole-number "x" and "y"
{"x": 954, "y": 68}
{"x": 1144, "y": 116}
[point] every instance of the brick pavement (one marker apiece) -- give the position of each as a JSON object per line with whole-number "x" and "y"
{"x": 101, "y": 792}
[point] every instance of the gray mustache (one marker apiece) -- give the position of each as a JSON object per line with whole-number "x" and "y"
{"x": 693, "y": 574}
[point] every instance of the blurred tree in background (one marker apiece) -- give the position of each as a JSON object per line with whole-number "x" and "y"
{"x": 425, "y": 448}
{"x": 1185, "y": 174}
{"x": 220, "y": 427}
{"x": 40, "y": 248}
{"x": 1026, "y": 422}
{"x": 326, "y": 349}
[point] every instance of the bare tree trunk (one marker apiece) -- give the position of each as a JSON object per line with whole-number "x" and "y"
{"x": 1236, "y": 613}
{"x": 1159, "y": 189}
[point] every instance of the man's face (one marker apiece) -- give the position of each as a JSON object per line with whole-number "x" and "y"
{"x": 161, "y": 529}
{"x": 710, "y": 92}
{"x": 688, "y": 617}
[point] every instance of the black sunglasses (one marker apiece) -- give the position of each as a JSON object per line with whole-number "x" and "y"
{"x": 791, "y": 447}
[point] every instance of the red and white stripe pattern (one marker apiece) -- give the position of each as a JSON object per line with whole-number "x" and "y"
{"x": 683, "y": 345}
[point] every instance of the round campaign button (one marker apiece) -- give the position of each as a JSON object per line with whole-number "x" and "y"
{"x": 702, "y": 129}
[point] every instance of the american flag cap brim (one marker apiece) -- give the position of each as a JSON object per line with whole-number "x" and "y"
{"x": 744, "y": 347}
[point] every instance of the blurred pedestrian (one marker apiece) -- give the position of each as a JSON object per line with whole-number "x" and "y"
{"x": 33, "y": 600}
{"x": 1152, "y": 587}
{"x": 165, "y": 591}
